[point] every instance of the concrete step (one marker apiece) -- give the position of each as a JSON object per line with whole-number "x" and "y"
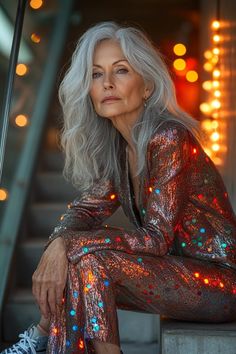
{"x": 20, "y": 311}
{"x": 53, "y": 161}
{"x": 52, "y": 187}
{"x": 139, "y": 348}
{"x": 198, "y": 338}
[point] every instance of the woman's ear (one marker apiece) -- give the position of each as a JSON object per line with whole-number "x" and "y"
{"x": 149, "y": 88}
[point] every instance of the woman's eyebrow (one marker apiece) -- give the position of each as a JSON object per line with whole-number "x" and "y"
{"x": 115, "y": 62}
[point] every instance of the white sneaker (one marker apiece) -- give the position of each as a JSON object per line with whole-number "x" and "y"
{"x": 31, "y": 343}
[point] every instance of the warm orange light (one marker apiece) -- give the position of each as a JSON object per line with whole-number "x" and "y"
{"x": 215, "y": 84}
{"x": 192, "y": 76}
{"x": 179, "y": 49}
{"x": 216, "y": 104}
{"x": 214, "y": 124}
{"x": 216, "y": 38}
{"x": 206, "y": 125}
{"x": 215, "y": 115}
{"x": 113, "y": 196}
{"x": 35, "y": 38}
{"x": 208, "y": 151}
{"x": 21, "y": 120}
{"x": 215, "y": 59}
{"x": 216, "y": 51}
{"x": 217, "y": 93}
{"x": 3, "y": 194}
{"x": 215, "y": 147}
{"x": 21, "y": 69}
{"x": 206, "y": 281}
{"x": 216, "y": 73}
{"x": 205, "y": 107}
{"x": 55, "y": 330}
{"x": 221, "y": 285}
{"x": 207, "y": 85}
{"x": 215, "y": 24}
{"x": 208, "y": 66}
{"x": 208, "y": 54}
{"x": 36, "y": 4}
{"x": 197, "y": 275}
{"x": 81, "y": 344}
{"x": 215, "y": 136}
{"x": 179, "y": 64}
{"x": 150, "y": 189}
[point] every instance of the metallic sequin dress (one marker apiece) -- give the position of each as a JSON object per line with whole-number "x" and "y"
{"x": 179, "y": 260}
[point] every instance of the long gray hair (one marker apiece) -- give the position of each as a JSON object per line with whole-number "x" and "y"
{"x": 91, "y": 143}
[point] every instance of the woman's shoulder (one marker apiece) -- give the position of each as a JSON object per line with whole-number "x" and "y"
{"x": 170, "y": 131}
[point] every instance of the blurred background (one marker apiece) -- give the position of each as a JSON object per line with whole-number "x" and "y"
{"x": 198, "y": 41}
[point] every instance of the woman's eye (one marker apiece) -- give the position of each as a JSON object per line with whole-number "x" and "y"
{"x": 96, "y": 75}
{"x": 122, "y": 71}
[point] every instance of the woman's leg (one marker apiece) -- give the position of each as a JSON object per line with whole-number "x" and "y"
{"x": 180, "y": 288}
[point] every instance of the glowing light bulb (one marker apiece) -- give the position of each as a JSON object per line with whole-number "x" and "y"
{"x": 215, "y": 147}
{"x": 216, "y": 73}
{"x": 208, "y": 66}
{"x": 205, "y": 107}
{"x": 215, "y": 84}
{"x": 36, "y": 4}
{"x": 215, "y": 115}
{"x": 214, "y": 124}
{"x": 179, "y": 49}
{"x": 3, "y": 194}
{"x": 216, "y": 38}
{"x": 208, "y": 54}
{"x": 215, "y": 136}
{"x": 192, "y": 76}
{"x": 21, "y": 120}
{"x": 217, "y": 93}
{"x": 35, "y": 38}
{"x": 215, "y": 59}
{"x": 216, "y": 51}
{"x": 207, "y": 85}
{"x": 179, "y": 64}
{"x": 215, "y": 24}
{"x": 206, "y": 124}
{"x": 21, "y": 69}
{"x": 216, "y": 104}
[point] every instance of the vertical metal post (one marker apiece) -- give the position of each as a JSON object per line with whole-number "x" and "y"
{"x": 10, "y": 78}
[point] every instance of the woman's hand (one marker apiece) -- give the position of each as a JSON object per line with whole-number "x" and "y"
{"x": 49, "y": 279}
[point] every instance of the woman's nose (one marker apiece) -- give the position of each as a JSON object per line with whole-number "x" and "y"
{"x": 108, "y": 81}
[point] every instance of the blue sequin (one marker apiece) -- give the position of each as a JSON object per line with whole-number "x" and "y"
{"x": 157, "y": 191}
{"x": 88, "y": 286}
{"x": 94, "y": 320}
{"x": 202, "y": 230}
{"x": 72, "y": 312}
{"x": 100, "y": 304}
{"x": 106, "y": 282}
{"x": 107, "y": 240}
{"x": 75, "y": 294}
{"x": 96, "y": 327}
{"x": 75, "y": 328}
{"x": 143, "y": 211}
{"x": 85, "y": 249}
{"x": 183, "y": 244}
{"x": 139, "y": 259}
{"x": 224, "y": 245}
{"x": 67, "y": 343}
{"x": 199, "y": 244}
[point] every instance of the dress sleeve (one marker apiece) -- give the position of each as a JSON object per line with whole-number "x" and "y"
{"x": 87, "y": 211}
{"x": 168, "y": 157}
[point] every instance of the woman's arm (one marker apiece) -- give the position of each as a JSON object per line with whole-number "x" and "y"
{"x": 168, "y": 153}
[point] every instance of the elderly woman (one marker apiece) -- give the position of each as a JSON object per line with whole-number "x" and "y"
{"x": 128, "y": 143}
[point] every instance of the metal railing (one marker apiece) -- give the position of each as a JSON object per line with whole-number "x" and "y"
{"x": 21, "y": 183}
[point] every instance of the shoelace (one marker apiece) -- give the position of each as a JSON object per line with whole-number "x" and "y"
{"x": 25, "y": 343}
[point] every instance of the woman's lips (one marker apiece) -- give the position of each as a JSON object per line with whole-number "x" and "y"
{"x": 110, "y": 99}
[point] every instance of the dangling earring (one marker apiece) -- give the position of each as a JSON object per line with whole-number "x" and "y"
{"x": 145, "y": 102}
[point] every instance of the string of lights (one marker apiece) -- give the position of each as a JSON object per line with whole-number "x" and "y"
{"x": 211, "y": 107}
{"x": 21, "y": 120}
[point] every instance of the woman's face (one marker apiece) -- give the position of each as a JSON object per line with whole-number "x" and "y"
{"x": 116, "y": 90}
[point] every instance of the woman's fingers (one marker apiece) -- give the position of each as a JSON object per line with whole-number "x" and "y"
{"x": 43, "y": 303}
{"x": 51, "y": 300}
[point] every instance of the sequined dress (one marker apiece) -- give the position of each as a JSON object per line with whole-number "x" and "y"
{"x": 179, "y": 260}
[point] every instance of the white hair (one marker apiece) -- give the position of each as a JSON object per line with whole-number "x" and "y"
{"x": 91, "y": 143}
